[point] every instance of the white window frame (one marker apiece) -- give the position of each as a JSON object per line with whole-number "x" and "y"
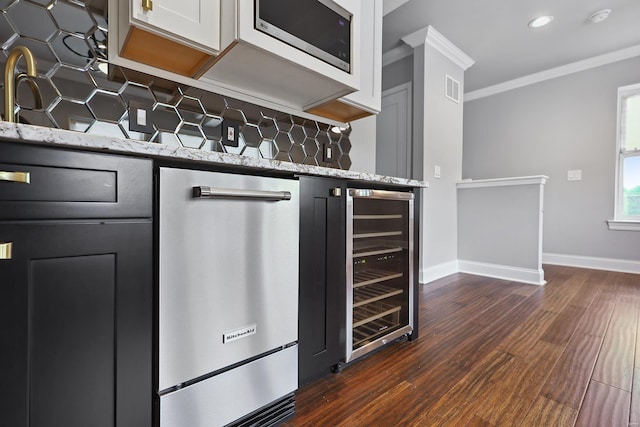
{"x": 620, "y": 221}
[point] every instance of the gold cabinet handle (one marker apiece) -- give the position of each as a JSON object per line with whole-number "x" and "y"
{"x": 147, "y": 5}
{"x": 5, "y": 250}
{"x": 23, "y": 177}
{"x": 336, "y": 192}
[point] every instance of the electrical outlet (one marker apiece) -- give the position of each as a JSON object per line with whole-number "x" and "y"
{"x": 436, "y": 172}
{"x": 327, "y": 153}
{"x": 140, "y": 116}
{"x": 230, "y": 133}
{"x": 574, "y": 175}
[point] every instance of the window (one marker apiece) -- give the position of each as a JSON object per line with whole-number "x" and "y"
{"x": 627, "y": 208}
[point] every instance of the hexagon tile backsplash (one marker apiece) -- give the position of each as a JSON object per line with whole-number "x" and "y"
{"x": 68, "y": 39}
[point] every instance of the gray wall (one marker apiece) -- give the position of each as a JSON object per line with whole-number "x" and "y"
{"x": 547, "y": 129}
{"x": 442, "y": 145}
{"x": 397, "y": 73}
{"x": 437, "y": 140}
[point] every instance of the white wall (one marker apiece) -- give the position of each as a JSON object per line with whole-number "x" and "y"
{"x": 499, "y": 225}
{"x": 363, "y": 145}
{"x": 500, "y": 228}
{"x": 547, "y": 129}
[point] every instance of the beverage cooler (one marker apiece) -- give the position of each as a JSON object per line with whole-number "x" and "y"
{"x": 379, "y": 269}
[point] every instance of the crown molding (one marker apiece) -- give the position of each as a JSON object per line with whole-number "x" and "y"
{"x": 417, "y": 38}
{"x": 429, "y": 35}
{"x": 448, "y": 49}
{"x": 396, "y": 54}
{"x": 552, "y": 73}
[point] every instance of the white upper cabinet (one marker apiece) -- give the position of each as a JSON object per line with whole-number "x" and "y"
{"x": 192, "y": 22}
{"x": 214, "y": 45}
{"x": 368, "y": 97}
{"x": 272, "y": 69}
{"x": 180, "y": 37}
{"x": 366, "y": 100}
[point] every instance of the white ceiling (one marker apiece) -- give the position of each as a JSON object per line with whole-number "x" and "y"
{"x": 494, "y": 33}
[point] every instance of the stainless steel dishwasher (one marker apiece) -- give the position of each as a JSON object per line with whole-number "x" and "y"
{"x": 228, "y": 298}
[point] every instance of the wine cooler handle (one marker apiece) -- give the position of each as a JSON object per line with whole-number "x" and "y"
{"x": 22, "y": 177}
{"x": 204, "y": 192}
{"x": 5, "y": 250}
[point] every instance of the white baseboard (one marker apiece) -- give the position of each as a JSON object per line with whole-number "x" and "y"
{"x": 516, "y": 274}
{"x": 526, "y": 275}
{"x": 596, "y": 263}
{"x": 438, "y": 271}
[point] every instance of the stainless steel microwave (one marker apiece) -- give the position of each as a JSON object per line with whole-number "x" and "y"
{"x": 321, "y": 28}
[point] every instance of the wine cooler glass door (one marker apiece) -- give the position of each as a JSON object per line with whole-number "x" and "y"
{"x": 380, "y": 268}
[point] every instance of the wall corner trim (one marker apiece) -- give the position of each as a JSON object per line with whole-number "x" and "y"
{"x": 429, "y": 35}
{"x": 596, "y": 263}
{"x": 504, "y": 272}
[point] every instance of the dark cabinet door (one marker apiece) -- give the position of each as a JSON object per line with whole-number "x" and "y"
{"x": 321, "y": 326}
{"x": 76, "y": 324}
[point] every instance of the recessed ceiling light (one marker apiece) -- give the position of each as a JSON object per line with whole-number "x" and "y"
{"x": 540, "y": 21}
{"x": 599, "y": 16}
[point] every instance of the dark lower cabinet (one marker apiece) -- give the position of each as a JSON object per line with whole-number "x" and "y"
{"x": 75, "y": 325}
{"x": 76, "y": 283}
{"x": 322, "y": 299}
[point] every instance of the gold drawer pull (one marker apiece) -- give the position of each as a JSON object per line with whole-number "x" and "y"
{"x": 5, "y": 250}
{"x": 23, "y": 177}
{"x": 147, "y": 5}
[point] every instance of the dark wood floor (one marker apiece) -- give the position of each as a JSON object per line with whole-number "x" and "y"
{"x": 493, "y": 352}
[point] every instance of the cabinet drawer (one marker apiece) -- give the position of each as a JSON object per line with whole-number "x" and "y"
{"x": 72, "y": 184}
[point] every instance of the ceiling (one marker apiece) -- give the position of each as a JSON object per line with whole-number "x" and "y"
{"x": 494, "y": 33}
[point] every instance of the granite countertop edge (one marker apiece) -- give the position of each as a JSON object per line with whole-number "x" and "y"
{"x": 17, "y": 132}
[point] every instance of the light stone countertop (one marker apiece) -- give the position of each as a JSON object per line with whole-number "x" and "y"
{"x": 71, "y": 139}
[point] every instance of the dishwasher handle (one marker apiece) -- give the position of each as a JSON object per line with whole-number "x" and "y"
{"x": 204, "y": 192}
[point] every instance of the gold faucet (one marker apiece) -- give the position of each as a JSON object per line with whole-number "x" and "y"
{"x": 11, "y": 80}
{"x": 23, "y": 77}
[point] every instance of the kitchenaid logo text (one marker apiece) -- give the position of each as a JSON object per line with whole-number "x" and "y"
{"x": 239, "y": 333}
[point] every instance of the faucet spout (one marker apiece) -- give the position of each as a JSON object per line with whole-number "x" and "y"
{"x": 11, "y": 79}
{"x": 33, "y": 85}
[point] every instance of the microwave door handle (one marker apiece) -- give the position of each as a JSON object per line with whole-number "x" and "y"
{"x": 204, "y": 192}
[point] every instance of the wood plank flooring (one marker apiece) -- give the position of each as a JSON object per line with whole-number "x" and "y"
{"x": 494, "y": 353}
